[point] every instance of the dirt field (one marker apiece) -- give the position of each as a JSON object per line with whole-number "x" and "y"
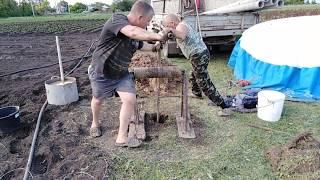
{"x": 63, "y": 146}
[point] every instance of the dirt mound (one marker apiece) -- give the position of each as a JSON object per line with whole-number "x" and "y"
{"x": 300, "y": 156}
{"x": 148, "y": 86}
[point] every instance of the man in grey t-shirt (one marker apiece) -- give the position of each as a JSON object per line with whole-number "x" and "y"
{"x": 121, "y": 36}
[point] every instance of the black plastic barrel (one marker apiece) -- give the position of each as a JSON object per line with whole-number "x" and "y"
{"x": 9, "y": 119}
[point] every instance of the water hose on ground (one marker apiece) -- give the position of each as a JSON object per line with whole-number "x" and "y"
{"x": 41, "y": 67}
{"x": 35, "y": 135}
{"x": 26, "y": 173}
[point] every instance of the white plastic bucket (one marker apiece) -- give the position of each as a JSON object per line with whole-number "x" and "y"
{"x": 270, "y": 105}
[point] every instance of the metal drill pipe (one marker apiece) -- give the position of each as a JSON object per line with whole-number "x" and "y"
{"x": 157, "y": 72}
{"x": 170, "y": 35}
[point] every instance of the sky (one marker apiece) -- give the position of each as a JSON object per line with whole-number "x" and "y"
{"x": 54, "y": 2}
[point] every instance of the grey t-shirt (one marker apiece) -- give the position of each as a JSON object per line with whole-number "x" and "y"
{"x": 114, "y": 51}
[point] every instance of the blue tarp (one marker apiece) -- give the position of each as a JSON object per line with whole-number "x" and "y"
{"x": 301, "y": 84}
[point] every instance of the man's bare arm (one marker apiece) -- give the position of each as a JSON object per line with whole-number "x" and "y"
{"x": 147, "y": 46}
{"x": 180, "y": 32}
{"x": 138, "y": 33}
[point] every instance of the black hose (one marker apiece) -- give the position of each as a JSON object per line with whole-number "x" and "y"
{"x": 83, "y": 57}
{"x": 28, "y": 166}
{"x": 41, "y": 67}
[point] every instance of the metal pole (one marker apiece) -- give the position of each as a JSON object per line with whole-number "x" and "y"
{"x": 156, "y": 72}
{"x": 198, "y": 20}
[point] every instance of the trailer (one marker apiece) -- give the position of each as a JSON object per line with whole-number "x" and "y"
{"x": 216, "y": 29}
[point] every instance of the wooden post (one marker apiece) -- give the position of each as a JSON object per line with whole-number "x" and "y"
{"x": 185, "y": 129}
{"x": 60, "y": 61}
{"x": 158, "y": 89}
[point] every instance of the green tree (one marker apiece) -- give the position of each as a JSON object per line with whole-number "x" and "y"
{"x": 98, "y": 6}
{"x": 122, "y": 5}
{"x": 78, "y": 8}
{"x": 9, "y": 8}
{"x": 25, "y": 8}
{"x": 42, "y": 7}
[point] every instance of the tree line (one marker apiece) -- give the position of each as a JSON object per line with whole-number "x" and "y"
{"x": 11, "y": 8}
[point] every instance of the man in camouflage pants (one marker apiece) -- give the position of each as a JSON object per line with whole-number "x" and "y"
{"x": 194, "y": 49}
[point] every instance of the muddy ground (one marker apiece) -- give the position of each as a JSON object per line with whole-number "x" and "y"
{"x": 64, "y": 149}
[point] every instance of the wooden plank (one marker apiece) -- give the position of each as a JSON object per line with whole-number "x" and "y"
{"x": 136, "y": 126}
{"x": 223, "y": 33}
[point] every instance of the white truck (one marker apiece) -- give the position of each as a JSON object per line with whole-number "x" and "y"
{"x": 216, "y": 29}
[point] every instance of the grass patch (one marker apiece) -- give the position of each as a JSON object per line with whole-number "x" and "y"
{"x": 288, "y": 11}
{"x": 227, "y": 148}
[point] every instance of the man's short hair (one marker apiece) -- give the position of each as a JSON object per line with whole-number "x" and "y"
{"x": 142, "y": 8}
{"x": 172, "y": 17}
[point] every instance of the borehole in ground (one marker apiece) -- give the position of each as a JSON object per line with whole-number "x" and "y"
{"x": 152, "y": 117}
{"x": 152, "y": 127}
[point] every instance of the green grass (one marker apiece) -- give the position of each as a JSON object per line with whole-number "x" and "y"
{"x": 227, "y": 148}
{"x": 296, "y": 7}
{"x": 288, "y": 11}
{"x": 65, "y": 17}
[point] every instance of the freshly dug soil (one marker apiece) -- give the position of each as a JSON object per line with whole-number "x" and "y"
{"x": 300, "y": 156}
{"x": 150, "y": 86}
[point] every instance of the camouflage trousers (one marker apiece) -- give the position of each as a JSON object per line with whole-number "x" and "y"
{"x": 200, "y": 79}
